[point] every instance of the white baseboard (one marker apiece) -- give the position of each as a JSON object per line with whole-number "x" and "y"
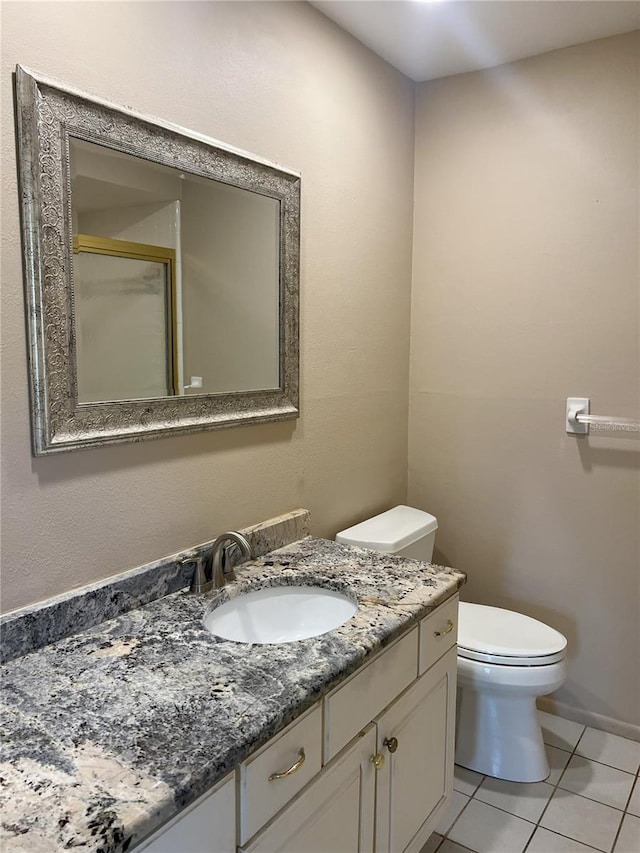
{"x": 589, "y": 718}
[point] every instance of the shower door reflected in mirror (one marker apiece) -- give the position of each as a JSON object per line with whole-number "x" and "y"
{"x": 124, "y": 298}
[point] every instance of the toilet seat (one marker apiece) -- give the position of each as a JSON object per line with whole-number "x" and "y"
{"x": 510, "y": 660}
{"x": 503, "y": 637}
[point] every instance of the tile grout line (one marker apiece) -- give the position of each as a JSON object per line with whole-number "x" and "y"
{"x": 623, "y": 812}
{"x": 535, "y": 824}
{"x": 568, "y": 838}
{"x": 626, "y": 809}
{"x": 470, "y": 796}
{"x": 553, "y": 793}
{"x": 577, "y": 754}
{"x": 555, "y": 786}
{"x": 603, "y": 763}
{"x": 462, "y": 810}
{"x": 592, "y": 799}
{"x": 485, "y": 777}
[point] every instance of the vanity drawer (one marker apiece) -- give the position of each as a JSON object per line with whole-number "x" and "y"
{"x": 438, "y": 632}
{"x": 261, "y": 796}
{"x": 353, "y": 704}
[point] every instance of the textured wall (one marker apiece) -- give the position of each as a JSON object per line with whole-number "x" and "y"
{"x": 281, "y": 80}
{"x": 526, "y": 292}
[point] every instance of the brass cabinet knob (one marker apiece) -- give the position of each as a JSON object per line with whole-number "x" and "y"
{"x": 291, "y": 769}
{"x": 377, "y": 760}
{"x": 447, "y": 630}
{"x": 391, "y": 743}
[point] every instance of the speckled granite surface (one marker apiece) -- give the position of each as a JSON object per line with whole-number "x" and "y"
{"x": 37, "y": 625}
{"x": 109, "y": 733}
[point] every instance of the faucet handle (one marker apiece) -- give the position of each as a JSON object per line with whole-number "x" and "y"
{"x": 199, "y": 581}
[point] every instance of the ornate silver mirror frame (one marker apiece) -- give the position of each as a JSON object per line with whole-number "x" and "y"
{"x": 47, "y": 115}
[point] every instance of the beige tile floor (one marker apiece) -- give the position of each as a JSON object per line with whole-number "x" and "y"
{"x": 590, "y": 801}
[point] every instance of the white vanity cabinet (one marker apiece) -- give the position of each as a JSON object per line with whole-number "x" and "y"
{"x": 396, "y": 773}
{"x": 416, "y": 738}
{"x": 208, "y": 825}
{"x": 369, "y": 768}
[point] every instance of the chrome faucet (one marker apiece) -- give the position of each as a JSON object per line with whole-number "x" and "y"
{"x": 214, "y": 571}
{"x": 221, "y": 564}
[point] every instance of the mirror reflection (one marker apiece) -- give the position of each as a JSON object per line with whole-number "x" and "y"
{"x": 176, "y": 280}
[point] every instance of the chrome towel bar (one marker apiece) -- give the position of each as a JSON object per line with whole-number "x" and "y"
{"x": 579, "y": 420}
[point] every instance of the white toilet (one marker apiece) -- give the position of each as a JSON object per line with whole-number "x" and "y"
{"x": 505, "y": 660}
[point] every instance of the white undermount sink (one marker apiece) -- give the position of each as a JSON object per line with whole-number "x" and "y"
{"x": 280, "y": 614}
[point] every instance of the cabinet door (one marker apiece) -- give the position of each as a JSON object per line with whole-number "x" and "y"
{"x": 207, "y": 826}
{"x": 334, "y": 813}
{"x": 417, "y": 776}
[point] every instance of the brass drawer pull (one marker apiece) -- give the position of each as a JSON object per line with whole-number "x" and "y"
{"x": 291, "y": 770}
{"x": 391, "y": 743}
{"x": 377, "y": 760}
{"x": 447, "y": 630}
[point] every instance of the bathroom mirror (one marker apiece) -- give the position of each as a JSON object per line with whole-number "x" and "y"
{"x": 161, "y": 275}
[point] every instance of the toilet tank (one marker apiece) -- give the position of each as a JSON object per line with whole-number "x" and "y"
{"x": 403, "y": 531}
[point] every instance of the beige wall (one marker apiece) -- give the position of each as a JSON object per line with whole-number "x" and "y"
{"x": 526, "y": 292}
{"x": 284, "y": 82}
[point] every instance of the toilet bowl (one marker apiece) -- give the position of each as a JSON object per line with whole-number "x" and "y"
{"x": 505, "y": 661}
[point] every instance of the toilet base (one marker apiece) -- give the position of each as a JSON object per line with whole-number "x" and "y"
{"x": 500, "y": 735}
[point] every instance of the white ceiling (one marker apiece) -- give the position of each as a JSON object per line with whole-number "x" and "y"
{"x": 426, "y": 39}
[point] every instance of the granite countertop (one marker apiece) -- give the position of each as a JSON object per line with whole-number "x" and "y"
{"x": 109, "y": 733}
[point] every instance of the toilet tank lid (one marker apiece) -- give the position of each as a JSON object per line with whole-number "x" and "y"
{"x": 391, "y": 530}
